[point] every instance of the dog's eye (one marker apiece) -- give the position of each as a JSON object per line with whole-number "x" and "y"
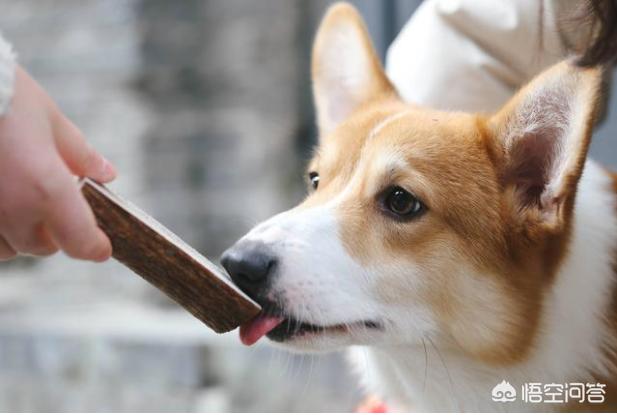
{"x": 402, "y": 204}
{"x": 314, "y": 179}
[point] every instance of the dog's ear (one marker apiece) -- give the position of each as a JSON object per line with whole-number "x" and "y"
{"x": 345, "y": 68}
{"x": 541, "y": 140}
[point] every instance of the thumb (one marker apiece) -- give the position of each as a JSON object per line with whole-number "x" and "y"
{"x": 79, "y": 156}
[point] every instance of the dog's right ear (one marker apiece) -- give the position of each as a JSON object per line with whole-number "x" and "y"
{"x": 346, "y": 70}
{"x": 541, "y": 138}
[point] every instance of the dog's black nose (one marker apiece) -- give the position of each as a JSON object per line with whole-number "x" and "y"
{"x": 250, "y": 266}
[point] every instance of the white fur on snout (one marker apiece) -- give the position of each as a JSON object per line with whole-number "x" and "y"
{"x": 316, "y": 280}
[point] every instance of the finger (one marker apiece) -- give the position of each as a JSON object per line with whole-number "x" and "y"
{"x": 33, "y": 241}
{"x": 80, "y": 157}
{"x": 44, "y": 244}
{"x": 73, "y": 227}
{"x": 6, "y": 251}
{"x": 22, "y": 228}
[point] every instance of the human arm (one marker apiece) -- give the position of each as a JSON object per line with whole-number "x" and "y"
{"x": 41, "y": 152}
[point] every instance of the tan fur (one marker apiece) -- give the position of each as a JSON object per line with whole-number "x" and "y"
{"x": 490, "y": 266}
{"x": 494, "y": 269}
{"x": 478, "y": 241}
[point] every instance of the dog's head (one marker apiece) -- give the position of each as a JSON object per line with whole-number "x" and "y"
{"x": 419, "y": 223}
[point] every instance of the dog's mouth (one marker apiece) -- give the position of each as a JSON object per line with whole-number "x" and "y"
{"x": 281, "y": 329}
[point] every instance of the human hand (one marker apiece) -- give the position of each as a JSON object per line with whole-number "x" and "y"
{"x": 41, "y": 207}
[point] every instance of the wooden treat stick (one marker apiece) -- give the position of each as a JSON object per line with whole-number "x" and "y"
{"x": 164, "y": 260}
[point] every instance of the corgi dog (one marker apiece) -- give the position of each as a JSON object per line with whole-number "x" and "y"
{"x": 449, "y": 252}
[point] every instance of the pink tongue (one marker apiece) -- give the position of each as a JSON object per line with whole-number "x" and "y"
{"x": 257, "y": 328}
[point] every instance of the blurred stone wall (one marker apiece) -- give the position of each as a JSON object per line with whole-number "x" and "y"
{"x": 204, "y": 107}
{"x": 222, "y": 76}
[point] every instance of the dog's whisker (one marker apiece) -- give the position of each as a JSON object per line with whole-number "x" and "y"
{"x": 308, "y": 376}
{"x": 450, "y": 383}
{"x": 425, "y": 365}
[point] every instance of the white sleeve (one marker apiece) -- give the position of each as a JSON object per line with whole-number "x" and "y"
{"x": 472, "y": 55}
{"x": 7, "y": 74}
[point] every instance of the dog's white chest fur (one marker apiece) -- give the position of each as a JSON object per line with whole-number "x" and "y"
{"x": 571, "y": 338}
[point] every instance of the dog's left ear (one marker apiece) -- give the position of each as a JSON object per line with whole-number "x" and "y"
{"x": 346, "y": 71}
{"x": 541, "y": 140}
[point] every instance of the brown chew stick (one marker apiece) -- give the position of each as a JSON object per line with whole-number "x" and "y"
{"x": 168, "y": 263}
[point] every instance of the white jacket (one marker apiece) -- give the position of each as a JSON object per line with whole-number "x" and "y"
{"x": 472, "y": 55}
{"x": 7, "y": 75}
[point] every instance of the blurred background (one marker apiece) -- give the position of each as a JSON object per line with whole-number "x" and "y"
{"x": 205, "y": 109}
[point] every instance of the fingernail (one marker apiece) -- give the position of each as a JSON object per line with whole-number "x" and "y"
{"x": 109, "y": 171}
